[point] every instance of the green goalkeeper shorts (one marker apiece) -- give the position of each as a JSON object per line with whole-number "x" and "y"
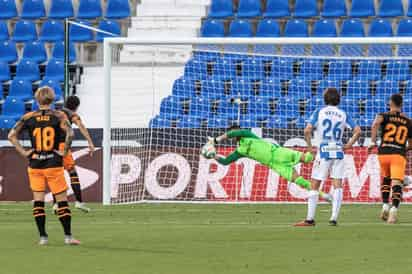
{"x": 284, "y": 160}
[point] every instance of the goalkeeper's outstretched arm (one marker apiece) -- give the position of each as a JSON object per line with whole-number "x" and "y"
{"x": 239, "y": 133}
{"x": 233, "y": 157}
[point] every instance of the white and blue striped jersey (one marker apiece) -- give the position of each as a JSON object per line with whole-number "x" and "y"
{"x": 330, "y": 123}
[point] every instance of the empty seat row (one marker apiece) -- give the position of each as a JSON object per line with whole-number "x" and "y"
{"x": 23, "y": 89}
{"x": 29, "y": 70}
{"x": 307, "y": 8}
{"x": 52, "y": 31}
{"x": 34, "y": 51}
{"x": 60, "y": 9}
{"x": 299, "y": 28}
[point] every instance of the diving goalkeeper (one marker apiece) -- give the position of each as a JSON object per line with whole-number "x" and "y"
{"x": 279, "y": 159}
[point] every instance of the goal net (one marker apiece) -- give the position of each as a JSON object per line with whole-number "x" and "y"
{"x": 164, "y": 98}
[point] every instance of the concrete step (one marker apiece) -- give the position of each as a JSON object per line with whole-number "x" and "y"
{"x": 163, "y": 33}
{"x": 171, "y": 10}
{"x": 166, "y": 22}
{"x": 176, "y": 2}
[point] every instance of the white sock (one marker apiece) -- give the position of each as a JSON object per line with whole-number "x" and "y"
{"x": 312, "y": 203}
{"x": 386, "y": 207}
{"x": 336, "y": 203}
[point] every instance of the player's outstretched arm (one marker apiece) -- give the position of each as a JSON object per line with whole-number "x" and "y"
{"x": 86, "y": 135}
{"x": 238, "y": 133}
{"x": 233, "y": 157}
{"x": 13, "y": 138}
{"x": 355, "y": 136}
{"x": 374, "y": 131}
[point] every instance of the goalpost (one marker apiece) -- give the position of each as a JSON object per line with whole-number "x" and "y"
{"x": 163, "y": 98}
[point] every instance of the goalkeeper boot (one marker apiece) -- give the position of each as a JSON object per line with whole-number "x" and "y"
{"x": 43, "y": 241}
{"x": 393, "y": 216}
{"x": 305, "y": 223}
{"x": 69, "y": 240}
{"x": 308, "y": 157}
{"x": 82, "y": 207}
{"x": 333, "y": 223}
{"x": 385, "y": 212}
{"x": 54, "y": 208}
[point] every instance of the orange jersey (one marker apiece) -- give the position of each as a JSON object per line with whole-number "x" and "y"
{"x": 45, "y": 129}
{"x": 396, "y": 129}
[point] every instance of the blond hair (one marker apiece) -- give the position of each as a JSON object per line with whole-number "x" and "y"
{"x": 45, "y": 96}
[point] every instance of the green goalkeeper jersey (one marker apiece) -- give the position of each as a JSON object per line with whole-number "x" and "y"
{"x": 250, "y": 146}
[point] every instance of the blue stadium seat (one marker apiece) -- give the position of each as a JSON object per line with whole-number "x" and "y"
{"x": 324, "y": 28}
{"x": 221, "y": 9}
{"x": 118, "y": 9}
{"x": 277, "y": 122}
{"x": 171, "y": 107}
{"x": 271, "y": 88}
{"x": 300, "y": 89}
{"x": 327, "y": 84}
{"x": 13, "y": 108}
{"x": 61, "y": 9}
{"x": 362, "y": 8}
{"x": 188, "y": 122}
{"x": 358, "y": 89}
{"x": 4, "y": 31}
{"x": 8, "y": 9}
{"x": 242, "y": 88}
{"x": 89, "y": 9}
{"x": 8, "y": 52}
{"x": 311, "y": 69}
{"x": 55, "y": 85}
{"x": 398, "y": 70}
{"x": 259, "y": 108}
{"x": 197, "y": 69}
{"x": 184, "y": 88}
{"x": 33, "y": 9}
{"x": 276, "y": 9}
{"x": 55, "y": 70}
{"x": 159, "y": 122}
{"x": 228, "y": 109}
{"x": 248, "y": 121}
{"x": 380, "y": 28}
{"x": 22, "y": 89}
{"x": 287, "y": 108}
{"x": 306, "y": 8}
{"x": 224, "y": 69}
{"x": 351, "y": 106}
{"x": 24, "y": 31}
{"x": 295, "y": 28}
{"x": 390, "y": 8}
{"x": 333, "y": 8}
{"x": 212, "y": 89}
{"x": 213, "y": 28}
{"x": 218, "y": 122}
{"x": 369, "y": 70}
{"x": 27, "y": 70}
{"x": 385, "y": 88}
{"x": 268, "y": 28}
{"x": 52, "y": 31}
{"x": 249, "y": 9}
{"x": 199, "y": 108}
{"x": 340, "y": 70}
{"x": 108, "y": 26}
{"x": 35, "y": 51}
{"x": 58, "y": 51}
{"x": 253, "y": 69}
{"x": 4, "y": 72}
{"x": 282, "y": 68}
{"x": 80, "y": 34}
{"x": 409, "y": 13}
{"x": 375, "y": 106}
{"x": 6, "y": 122}
{"x": 240, "y": 28}
{"x": 352, "y": 28}
{"x": 405, "y": 30}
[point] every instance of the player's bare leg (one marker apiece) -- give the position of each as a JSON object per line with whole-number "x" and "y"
{"x": 385, "y": 192}
{"x": 40, "y": 216}
{"x": 396, "y": 200}
{"x": 64, "y": 215}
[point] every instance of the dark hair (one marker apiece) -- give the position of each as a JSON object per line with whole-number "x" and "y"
{"x": 234, "y": 127}
{"x": 397, "y": 99}
{"x": 72, "y": 102}
{"x": 331, "y": 97}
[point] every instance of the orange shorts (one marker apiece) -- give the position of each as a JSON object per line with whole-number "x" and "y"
{"x": 393, "y": 166}
{"x": 53, "y": 177}
{"x": 68, "y": 161}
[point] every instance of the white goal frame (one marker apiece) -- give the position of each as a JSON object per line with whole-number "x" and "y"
{"x": 110, "y": 42}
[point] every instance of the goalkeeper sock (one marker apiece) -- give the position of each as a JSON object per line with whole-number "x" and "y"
{"x": 396, "y": 195}
{"x": 40, "y": 217}
{"x": 312, "y": 204}
{"x": 386, "y": 189}
{"x": 65, "y": 217}
{"x": 336, "y": 203}
{"x": 75, "y": 184}
{"x": 300, "y": 181}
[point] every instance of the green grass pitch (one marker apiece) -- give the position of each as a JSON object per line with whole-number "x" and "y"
{"x": 207, "y": 239}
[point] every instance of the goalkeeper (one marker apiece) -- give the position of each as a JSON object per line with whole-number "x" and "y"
{"x": 281, "y": 160}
